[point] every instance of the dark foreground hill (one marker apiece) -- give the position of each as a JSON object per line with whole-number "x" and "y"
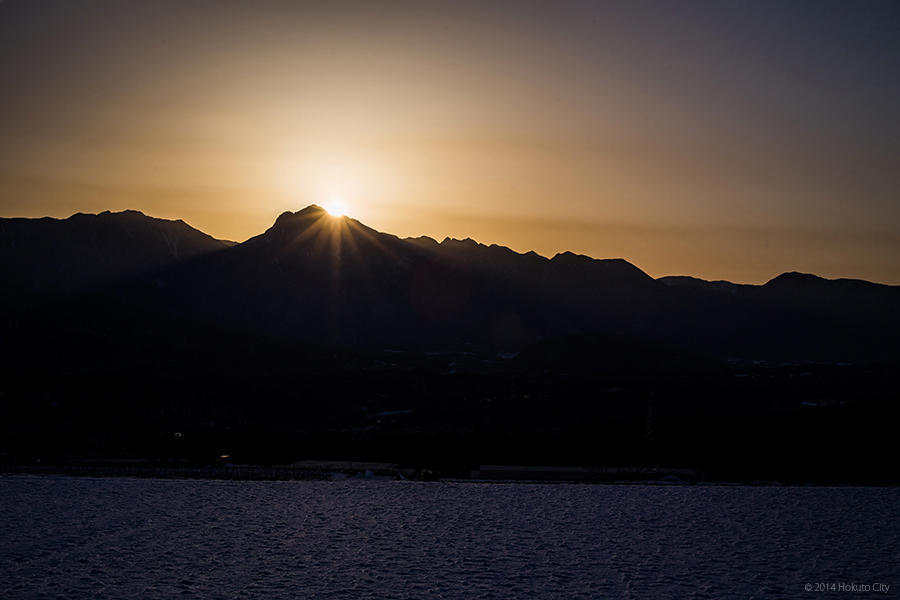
{"x": 323, "y": 338}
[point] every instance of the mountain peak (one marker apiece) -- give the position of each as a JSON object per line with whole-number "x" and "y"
{"x": 107, "y": 214}
{"x": 794, "y": 278}
{"x": 311, "y": 210}
{"x": 467, "y": 242}
{"x": 422, "y": 240}
{"x": 571, "y": 257}
{"x": 287, "y": 218}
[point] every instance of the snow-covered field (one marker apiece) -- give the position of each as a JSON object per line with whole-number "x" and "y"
{"x": 64, "y": 537}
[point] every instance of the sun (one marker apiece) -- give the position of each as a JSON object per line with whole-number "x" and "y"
{"x": 335, "y": 207}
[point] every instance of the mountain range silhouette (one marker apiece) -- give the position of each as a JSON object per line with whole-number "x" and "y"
{"x": 124, "y": 288}
{"x": 126, "y": 336}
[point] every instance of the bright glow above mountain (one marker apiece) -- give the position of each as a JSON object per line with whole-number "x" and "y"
{"x": 336, "y": 207}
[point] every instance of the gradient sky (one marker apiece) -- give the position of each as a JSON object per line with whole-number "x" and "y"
{"x": 732, "y": 140}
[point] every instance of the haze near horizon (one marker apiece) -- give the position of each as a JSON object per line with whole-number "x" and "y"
{"x": 721, "y": 140}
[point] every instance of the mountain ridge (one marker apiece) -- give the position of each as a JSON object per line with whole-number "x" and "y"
{"x": 313, "y": 280}
{"x": 314, "y": 210}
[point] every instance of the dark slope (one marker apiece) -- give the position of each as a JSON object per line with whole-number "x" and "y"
{"x": 42, "y": 259}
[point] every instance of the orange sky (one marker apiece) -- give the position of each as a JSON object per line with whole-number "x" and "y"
{"x": 716, "y": 140}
